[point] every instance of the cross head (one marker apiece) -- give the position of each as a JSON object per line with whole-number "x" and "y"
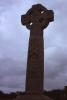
{"x": 37, "y": 16}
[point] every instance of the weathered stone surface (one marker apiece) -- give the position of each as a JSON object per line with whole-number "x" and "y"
{"x": 36, "y": 19}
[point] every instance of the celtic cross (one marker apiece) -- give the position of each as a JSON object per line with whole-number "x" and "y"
{"x": 36, "y": 20}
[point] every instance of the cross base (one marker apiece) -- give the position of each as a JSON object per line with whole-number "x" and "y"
{"x": 32, "y": 97}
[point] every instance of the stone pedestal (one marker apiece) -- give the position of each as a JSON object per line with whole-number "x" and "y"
{"x": 33, "y": 97}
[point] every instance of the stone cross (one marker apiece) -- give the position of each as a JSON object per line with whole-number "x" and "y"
{"x": 36, "y": 20}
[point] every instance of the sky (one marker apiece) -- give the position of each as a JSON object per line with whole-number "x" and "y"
{"x": 14, "y": 39}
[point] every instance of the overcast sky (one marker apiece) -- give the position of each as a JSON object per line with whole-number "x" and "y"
{"x": 14, "y": 45}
